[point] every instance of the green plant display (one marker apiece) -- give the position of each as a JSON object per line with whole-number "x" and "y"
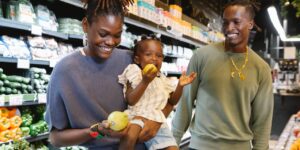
{"x": 294, "y": 3}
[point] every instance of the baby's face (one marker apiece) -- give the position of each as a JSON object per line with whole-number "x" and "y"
{"x": 151, "y": 53}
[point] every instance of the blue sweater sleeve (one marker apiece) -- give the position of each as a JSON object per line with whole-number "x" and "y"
{"x": 56, "y": 114}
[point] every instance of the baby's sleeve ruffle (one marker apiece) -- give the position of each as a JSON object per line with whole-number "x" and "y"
{"x": 170, "y": 85}
{"x": 131, "y": 74}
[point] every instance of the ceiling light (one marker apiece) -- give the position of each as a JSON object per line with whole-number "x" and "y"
{"x": 275, "y": 20}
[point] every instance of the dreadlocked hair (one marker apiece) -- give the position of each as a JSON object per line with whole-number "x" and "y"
{"x": 96, "y": 8}
{"x": 138, "y": 43}
{"x": 251, "y": 6}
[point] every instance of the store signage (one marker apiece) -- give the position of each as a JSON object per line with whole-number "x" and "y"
{"x": 23, "y": 64}
{"x": 52, "y": 63}
{"x": 42, "y": 98}
{"x": 15, "y": 99}
{"x": 289, "y": 53}
{"x": 36, "y": 30}
{"x": 2, "y": 100}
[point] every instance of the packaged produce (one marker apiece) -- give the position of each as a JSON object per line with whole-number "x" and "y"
{"x": 3, "y": 49}
{"x": 1, "y": 12}
{"x": 70, "y": 26}
{"x": 25, "y": 12}
{"x": 17, "y": 47}
{"x": 43, "y": 17}
{"x": 53, "y": 22}
{"x": 11, "y": 10}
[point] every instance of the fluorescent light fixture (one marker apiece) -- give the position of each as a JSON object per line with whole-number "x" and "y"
{"x": 275, "y": 20}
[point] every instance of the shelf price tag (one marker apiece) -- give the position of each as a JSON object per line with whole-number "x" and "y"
{"x": 36, "y": 30}
{"x": 2, "y": 100}
{"x": 42, "y": 98}
{"x": 23, "y": 64}
{"x": 52, "y": 63}
{"x": 15, "y": 99}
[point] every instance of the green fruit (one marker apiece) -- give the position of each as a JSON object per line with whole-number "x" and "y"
{"x": 118, "y": 120}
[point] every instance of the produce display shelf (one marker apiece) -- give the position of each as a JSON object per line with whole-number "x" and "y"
{"x": 173, "y": 73}
{"x": 31, "y": 138}
{"x": 173, "y": 56}
{"x": 25, "y": 103}
{"x": 15, "y": 60}
{"x": 286, "y": 138}
{"x": 74, "y": 36}
{"x": 28, "y": 27}
{"x": 14, "y": 100}
{"x": 38, "y": 137}
{"x": 148, "y": 25}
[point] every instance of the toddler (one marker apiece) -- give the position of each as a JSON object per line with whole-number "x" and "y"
{"x": 147, "y": 93}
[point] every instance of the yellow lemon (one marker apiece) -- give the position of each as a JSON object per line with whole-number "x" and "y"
{"x": 117, "y": 120}
{"x": 148, "y": 67}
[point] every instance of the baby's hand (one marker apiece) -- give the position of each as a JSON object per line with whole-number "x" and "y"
{"x": 185, "y": 80}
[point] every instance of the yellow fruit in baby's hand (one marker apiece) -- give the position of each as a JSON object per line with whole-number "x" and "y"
{"x": 117, "y": 120}
{"x": 149, "y": 67}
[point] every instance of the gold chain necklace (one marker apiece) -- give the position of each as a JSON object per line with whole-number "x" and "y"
{"x": 237, "y": 70}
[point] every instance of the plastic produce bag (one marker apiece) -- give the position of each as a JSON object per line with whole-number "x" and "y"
{"x": 11, "y": 10}
{"x": 24, "y": 12}
{"x": 43, "y": 16}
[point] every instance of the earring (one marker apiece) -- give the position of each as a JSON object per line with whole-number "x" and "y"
{"x": 84, "y": 40}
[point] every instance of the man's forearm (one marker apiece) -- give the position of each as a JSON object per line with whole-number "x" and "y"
{"x": 69, "y": 137}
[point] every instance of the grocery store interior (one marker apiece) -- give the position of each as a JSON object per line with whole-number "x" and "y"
{"x": 36, "y": 34}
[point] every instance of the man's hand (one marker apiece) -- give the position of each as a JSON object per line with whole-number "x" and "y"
{"x": 149, "y": 131}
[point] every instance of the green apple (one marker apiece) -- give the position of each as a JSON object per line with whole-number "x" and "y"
{"x": 117, "y": 120}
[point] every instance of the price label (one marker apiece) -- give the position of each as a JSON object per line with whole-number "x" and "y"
{"x": 42, "y": 98}
{"x": 23, "y": 64}
{"x": 52, "y": 63}
{"x": 36, "y": 30}
{"x": 2, "y": 100}
{"x": 15, "y": 99}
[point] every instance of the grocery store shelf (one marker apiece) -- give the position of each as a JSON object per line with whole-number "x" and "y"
{"x": 32, "y": 139}
{"x": 25, "y": 103}
{"x": 173, "y": 56}
{"x": 74, "y": 36}
{"x": 14, "y": 24}
{"x": 173, "y": 73}
{"x": 148, "y": 25}
{"x": 14, "y": 100}
{"x": 15, "y": 60}
{"x": 28, "y": 27}
{"x": 56, "y": 34}
{"x": 38, "y": 137}
{"x": 76, "y": 3}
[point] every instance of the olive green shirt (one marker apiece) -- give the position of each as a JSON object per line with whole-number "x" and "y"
{"x": 228, "y": 110}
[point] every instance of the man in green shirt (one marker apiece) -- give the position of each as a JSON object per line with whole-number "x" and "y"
{"x": 232, "y": 92}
